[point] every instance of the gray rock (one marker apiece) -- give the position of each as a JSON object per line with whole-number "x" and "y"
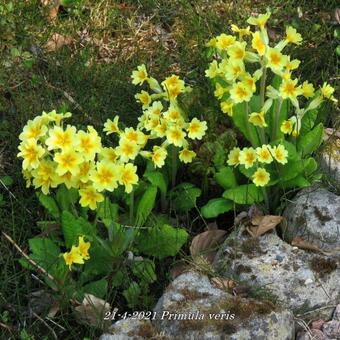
{"x": 336, "y": 315}
{"x": 314, "y": 334}
{"x": 314, "y": 215}
{"x": 302, "y": 281}
{"x": 191, "y": 308}
{"x": 130, "y": 329}
{"x": 330, "y": 162}
{"x": 332, "y": 329}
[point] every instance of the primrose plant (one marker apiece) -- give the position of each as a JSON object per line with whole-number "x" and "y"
{"x": 255, "y": 84}
{"x": 83, "y": 183}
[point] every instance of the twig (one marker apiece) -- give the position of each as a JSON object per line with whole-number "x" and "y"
{"x": 317, "y": 309}
{"x": 33, "y": 263}
{"x": 46, "y": 324}
{"x": 6, "y": 327}
{"x": 50, "y": 320}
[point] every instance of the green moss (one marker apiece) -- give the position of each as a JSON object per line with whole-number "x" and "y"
{"x": 251, "y": 246}
{"x": 322, "y": 266}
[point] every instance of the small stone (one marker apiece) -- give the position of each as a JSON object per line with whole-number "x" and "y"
{"x": 309, "y": 281}
{"x": 279, "y": 258}
{"x": 332, "y": 329}
{"x": 336, "y": 315}
{"x": 317, "y": 324}
{"x": 315, "y": 334}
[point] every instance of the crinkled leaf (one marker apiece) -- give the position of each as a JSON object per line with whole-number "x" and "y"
{"x": 96, "y": 288}
{"x": 132, "y": 294}
{"x": 157, "y": 178}
{"x": 145, "y": 270}
{"x": 66, "y": 198}
{"x": 225, "y": 177}
{"x": 216, "y": 207}
{"x": 49, "y": 204}
{"x": 184, "y": 196}
{"x": 311, "y": 140}
{"x": 244, "y": 194}
{"x": 146, "y": 204}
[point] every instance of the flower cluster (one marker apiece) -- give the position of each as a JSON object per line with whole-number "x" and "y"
{"x": 77, "y": 254}
{"x": 234, "y": 84}
{"x": 54, "y": 153}
{"x": 163, "y": 118}
{"x": 260, "y": 156}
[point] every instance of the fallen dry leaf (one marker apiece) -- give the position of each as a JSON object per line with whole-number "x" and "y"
{"x": 178, "y": 269}
{"x": 205, "y": 243}
{"x": 54, "y": 309}
{"x": 262, "y": 224}
{"x": 57, "y": 41}
{"x": 222, "y": 283}
{"x": 305, "y": 245}
{"x": 92, "y": 310}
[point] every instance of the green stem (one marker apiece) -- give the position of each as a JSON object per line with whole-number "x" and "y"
{"x": 174, "y": 166}
{"x": 276, "y": 120}
{"x": 262, "y": 135}
{"x": 131, "y": 207}
{"x": 263, "y": 86}
{"x": 248, "y": 126}
{"x": 266, "y": 199}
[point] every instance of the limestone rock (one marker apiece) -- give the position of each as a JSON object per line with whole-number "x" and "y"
{"x": 191, "y": 308}
{"x": 301, "y": 281}
{"x": 314, "y": 215}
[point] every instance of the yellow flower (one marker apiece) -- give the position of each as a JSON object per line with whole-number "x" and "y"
{"x": 258, "y": 44}
{"x": 224, "y": 41}
{"x": 31, "y": 152}
{"x": 89, "y": 143}
{"x": 152, "y": 123}
{"x": 240, "y": 93}
{"x": 85, "y": 169}
{"x": 69, "y": 180}
{"x": 261, "y": 177}
{"x": 133, "y": 135}
{"x": 292, "y": 36}
{"x": 287, "y": 127}
{"x": 105, "y": 176}
{"x": 127, "y": 150}
{"x": 33, "y": 129}
{"x": 212, "y": 71}
{"x": 173, "y": 114}
{"x": 186, "y": 155}
{"x": 234, "y": 69}
{"x": 111, "y": 126}
{"x": 219, "y": 91}
{"x": 260, "y": 20}
{"x": 291, "y": 65}
{"x": 237, "y": 51}
{"x": 108, "y": 154}
{"x": 257, "y": 119}
{"x": 144, "y": 98}
{"x": 175, "y": 136}
{"x": 247, "y": 157}
{"x": 68, "y": 161}
{"x": 128, "y": 176}
{"x": 234, "y": 157}
{"x": 158, "y": 156}
{"x": 53, "y": 116}
{"x": 84, "y": 248}
{"x": 45, "y": 176}
{"x": 249, "y": 82}
{"x": 89, "y": 197}
{"x": 241, "y": 31}
{"x": 161, "y": 128}
{"x": 173, "y": 86}
{"x": 196, "y": 129}
{"x": 307, "y": 89}
{"x": 155, "y": 109}
{"x": 73, "y": 256}
{"x": 60, "y": 139}
{"x": 211, "y": 42}
{"x": 227, "y": 107}
{"x": 280, "y": 154}
{"x": 263, "y": 154}
{"x": 327, "y": 92}
{"x": 288, "y": 89}
{"x": 276, "y": 60}
{"x": 140, "y": 75}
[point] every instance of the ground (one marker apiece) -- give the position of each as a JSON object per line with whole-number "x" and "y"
{"x": 105, "y": 40}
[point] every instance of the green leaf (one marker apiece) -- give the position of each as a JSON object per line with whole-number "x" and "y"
{"x": 311, "y": 140}
{"x": 240, "y": 119}
{"x": 44, "y": 252}
{"x": 1, "y": 200}
{"x": 7, "y": 180}
{"x": 216, "y": 206}
{"x": 100, "y": 263}
{"x": 66, "y": 198}
{"x": 49, "y": 204}
{"x": 157, "y": 178}
{"x": 146, "y": 204}
{"x": 310, "y": 166}
{"x": 145, "y": 270}
{"x": 184, "y": 196}
{"x": 297, "y": 182}
{"x": 244, "y": 194}
{"x": 225, "y": 177}
{"x": 161, "y": 241}
{"x": 132, "y": 294}
{"x": 307, "y": 121}
{"x": 108, "y": 211}
{"x": 96, "y": 288}
{"x": 73, "y": 227}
